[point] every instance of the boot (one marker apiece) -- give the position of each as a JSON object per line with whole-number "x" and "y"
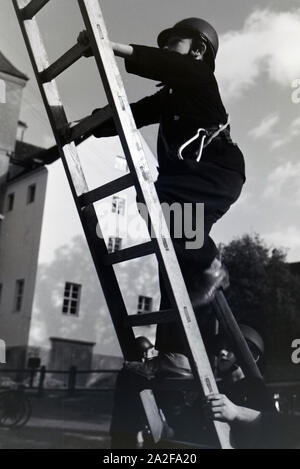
{"x": 214, "y": 277}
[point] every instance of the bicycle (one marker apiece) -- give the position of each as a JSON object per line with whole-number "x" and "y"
{"x": 15, "y": 408}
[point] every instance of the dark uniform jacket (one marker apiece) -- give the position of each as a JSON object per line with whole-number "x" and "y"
{"x": 251, "y": 393}
{"x": 189, "y": 100}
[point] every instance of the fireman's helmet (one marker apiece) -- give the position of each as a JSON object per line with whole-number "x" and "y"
{"x": 143, "y": 345}
{"x": 196, "y": 28}
{"x": 253, "y": 339}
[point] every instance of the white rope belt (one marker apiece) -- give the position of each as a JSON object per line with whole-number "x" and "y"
{"x": 203, "y": 144}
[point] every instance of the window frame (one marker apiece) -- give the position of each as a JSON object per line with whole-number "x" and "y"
{"x": 68, "y": 299}
{"x": 19, "y": 295}
{"x": 113, "y": 242}
{"x": 118, "y": 205}
{"x": 31, "y": 193}
{"x": 10, "y": 202}
{"x": 142, "y": 301}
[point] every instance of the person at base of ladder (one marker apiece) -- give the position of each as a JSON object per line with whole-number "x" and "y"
{"x": 241, "y": 400}
{"x": 246, "y": 404}
{"x": 198, "y": 162}
{"x": 128, "y": 428}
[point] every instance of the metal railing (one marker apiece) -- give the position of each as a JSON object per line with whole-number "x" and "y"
{"x": 286, "y": 394}
{"x": 35, "y": 379}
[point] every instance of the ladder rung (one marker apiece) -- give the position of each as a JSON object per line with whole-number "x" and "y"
{"x": 118, "y": 185}
{"x": 64, "y": 62}
{"x": 32, "y": 9}
{"x": 87, "y": 125}
{"x": 127, "y": 254}
{"x": 157, "y": 317}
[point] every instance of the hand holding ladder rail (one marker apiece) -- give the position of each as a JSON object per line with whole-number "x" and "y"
{"x": 140, "y": 177}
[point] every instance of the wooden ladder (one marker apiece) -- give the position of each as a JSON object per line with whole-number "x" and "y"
{"x": 139, "y": 177}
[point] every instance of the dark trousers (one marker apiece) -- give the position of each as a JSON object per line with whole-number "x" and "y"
{"x": 217, "y": 188}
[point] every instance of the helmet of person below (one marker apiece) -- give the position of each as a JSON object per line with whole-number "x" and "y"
{"x": 254, "y": 340}
{"x": 196, "y": 28}
{"x": 143, "y": 344}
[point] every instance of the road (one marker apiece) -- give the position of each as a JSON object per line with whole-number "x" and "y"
{"x": 59, "y": 422}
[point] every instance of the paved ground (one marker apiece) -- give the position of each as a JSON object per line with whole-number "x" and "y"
{"x": 60, "y": 422}
{"x": 65, "y": 423}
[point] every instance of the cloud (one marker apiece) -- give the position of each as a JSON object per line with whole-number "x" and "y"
{"x": 295, "y": 127}
{"x": 270, "y": 42}
{"x": 292, "y": 132}
{"x": 278, "y": 143}
{"x": 283, "y": 184}
{"x": 287, "y": 238}
{"x": 265, "y": 127}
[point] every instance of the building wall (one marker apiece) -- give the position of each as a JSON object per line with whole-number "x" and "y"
{"x": 19, "y": 248}
{"x": 9, "y": 115}
{"x": 4, "y": 165}
{"x": 10, "y": 111}
{"x": 64, "y": 257}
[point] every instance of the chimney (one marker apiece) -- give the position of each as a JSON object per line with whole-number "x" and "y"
{"x": 22, "y": 127}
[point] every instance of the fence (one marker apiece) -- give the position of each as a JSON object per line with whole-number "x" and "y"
{"x": 286, "y": 394}
{"x": 35, "y": 379}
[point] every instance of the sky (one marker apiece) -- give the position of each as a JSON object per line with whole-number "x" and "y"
{"x": 258, "y": 66}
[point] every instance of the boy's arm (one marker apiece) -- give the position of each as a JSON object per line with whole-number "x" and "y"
{"x": 168, "y": 67}
{"x": 146, "y": 111}
{"x": 162, "y": 65}
{"x": 157, "y": 64}
{"x": 219, "y": 407}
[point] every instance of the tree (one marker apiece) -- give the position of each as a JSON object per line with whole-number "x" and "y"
{"x": 265, "y": 295}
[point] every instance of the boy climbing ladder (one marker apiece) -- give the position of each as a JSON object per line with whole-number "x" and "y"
{"x": 198, "y": 162}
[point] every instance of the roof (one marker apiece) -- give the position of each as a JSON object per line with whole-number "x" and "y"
{"x": 22, "y": 173}
{"x": 24, "y": 160}
{"x": 72, "y": 341}
{"x": 25, "y": 150}
{"x": 10, "y": 69}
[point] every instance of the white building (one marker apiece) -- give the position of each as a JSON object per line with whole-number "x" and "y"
{"x": 51, "y": 302}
